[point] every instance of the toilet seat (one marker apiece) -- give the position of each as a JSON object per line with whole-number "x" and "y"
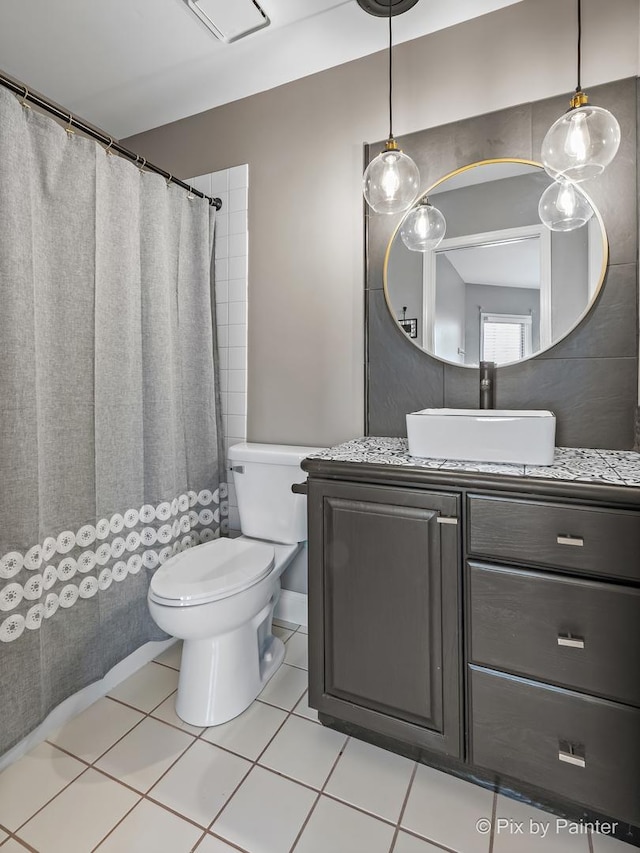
{"x": 211, "y": 571}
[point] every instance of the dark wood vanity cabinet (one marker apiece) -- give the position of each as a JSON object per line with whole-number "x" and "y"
{"x": 384, "y": 620}
{"x": 504, "y": 647}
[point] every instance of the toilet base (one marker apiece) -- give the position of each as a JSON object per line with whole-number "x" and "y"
{"x": 220, "y": 677}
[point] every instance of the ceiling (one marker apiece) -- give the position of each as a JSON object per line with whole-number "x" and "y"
{"x": 130, "y": 65}
{"x": 508, "y": 264}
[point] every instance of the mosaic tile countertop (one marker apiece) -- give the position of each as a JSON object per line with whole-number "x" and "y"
{"x": 615, "y": 467}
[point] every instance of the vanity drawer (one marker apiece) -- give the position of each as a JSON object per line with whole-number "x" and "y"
{"x": 581, "y": 748}
{"x": 578, "y": 633}
{"x": 586, "y": 539}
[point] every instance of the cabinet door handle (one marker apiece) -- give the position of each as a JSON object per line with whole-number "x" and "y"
{"x": 570, "y": 642}
{"x": 578, "y": 541}
{"x": 445, "y": 520}
{"x": 570, "y": 756}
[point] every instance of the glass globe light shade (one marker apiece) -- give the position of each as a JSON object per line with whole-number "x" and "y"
{"x": 391, "y": 182}
{"x": 581, "y": 143}
{"x": 564, "y": 207}
{"x": 423, "y": 228}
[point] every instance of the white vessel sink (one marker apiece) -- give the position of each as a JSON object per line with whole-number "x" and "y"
{"x": 483, "y": 435}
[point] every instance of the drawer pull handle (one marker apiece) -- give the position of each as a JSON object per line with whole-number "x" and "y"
{"x": 578, "y": 541}
{"x": 571, "y": 757}
{"x": 570, "y": 642}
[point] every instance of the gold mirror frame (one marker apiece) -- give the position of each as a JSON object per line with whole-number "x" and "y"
{"x": 594, "y": 298}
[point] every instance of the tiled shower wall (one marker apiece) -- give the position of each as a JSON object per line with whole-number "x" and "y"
{"x": 231, "y": 252}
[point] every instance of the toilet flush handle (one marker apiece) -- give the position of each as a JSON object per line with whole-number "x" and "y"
{"x": 300, "y": 489}
{"x": 237, "y": 469}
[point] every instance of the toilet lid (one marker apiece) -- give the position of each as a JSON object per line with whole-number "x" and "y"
{"x": 214, "y": 570}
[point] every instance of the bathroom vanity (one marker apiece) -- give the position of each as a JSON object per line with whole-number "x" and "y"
{"x": 483, "y": 618}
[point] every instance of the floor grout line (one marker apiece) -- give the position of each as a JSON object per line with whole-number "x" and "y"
{"x": 209, "y": 829}
{"x": 494, "y": 812}
{"x": 254, "y": 763}
{"x": 57, "y": 794}
{"x": 320, "y": 793}
{"x": 404, "y": 806}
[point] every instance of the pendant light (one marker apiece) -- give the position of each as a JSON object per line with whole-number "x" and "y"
{"x": 423, "y": 228}
{"x": 564, "y": 207}
{"x": 391, "y": 180}
{"x": 582, "y": 142}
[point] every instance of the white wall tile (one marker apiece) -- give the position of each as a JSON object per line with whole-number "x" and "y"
{"x": 221, "y": 270}
{"x": 237, "y": 335}
{"x": 238, "y": 199}
{"x": 223, "y": 336}
{"x": 237, "y": 358}
{"x": 238, "y": 177}
{"x": 222, "y": 314}
{"x": 237, "y": 381}
{"x": 222, "y": 224}
{"x": 237, "y": 312}
{"x": 238, "y": 245}
{"x": 224, "y": 198}
{"x": 238, "y": 290}
{"x": 220, "y": 182}
{"x": 222, "y": 245}
{"x": 237, "y": 221}
{"x": 231, "y": 254}
{"x": 238, "y": 426}
{"x": 222, "y": 293}
{"x": 237, "y": 404}
{"x": 202, "y": 183}
{"x": 237, "y": 267}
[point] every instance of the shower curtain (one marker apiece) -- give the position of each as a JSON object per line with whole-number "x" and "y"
{"x": 109, "y": 430}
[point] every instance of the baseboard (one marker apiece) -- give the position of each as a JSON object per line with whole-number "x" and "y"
{"x": 81, "y": 700}
{"x": 292, "y": 607}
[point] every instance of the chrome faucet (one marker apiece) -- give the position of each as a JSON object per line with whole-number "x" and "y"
{"x": 487, "y": 384}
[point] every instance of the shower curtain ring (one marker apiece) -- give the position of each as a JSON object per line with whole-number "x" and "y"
{"x": 108, "y": 150}
{"x": 23, "y": 102}
{"x": 169, "y": 179}
{"x": 144, "y": 163}
{"x": 69, "y": 129}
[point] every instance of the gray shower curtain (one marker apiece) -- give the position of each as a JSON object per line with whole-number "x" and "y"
{"x": 109, "y": 438}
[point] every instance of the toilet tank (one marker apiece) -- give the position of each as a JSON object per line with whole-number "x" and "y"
{"x": 263, "y": 475}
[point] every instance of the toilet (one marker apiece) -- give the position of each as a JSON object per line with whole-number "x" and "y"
{"x": 219, "y": 597}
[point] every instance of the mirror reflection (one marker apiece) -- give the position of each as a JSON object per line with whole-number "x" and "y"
{"x": 500, "y": 286}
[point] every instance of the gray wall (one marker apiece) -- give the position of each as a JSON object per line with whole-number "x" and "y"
{"x": 590, "y": 379}
{"x": 492, "y": 206}
{"x": 303, "y": 144}
{"x": 450, "y": 330}
{"x": 406, "y": 268}
{"x": 499, "y": 300}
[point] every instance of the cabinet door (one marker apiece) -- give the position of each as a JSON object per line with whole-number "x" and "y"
{"x": 384, "y": 614}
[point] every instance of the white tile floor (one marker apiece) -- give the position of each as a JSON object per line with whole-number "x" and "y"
{"x": 128, "y": 776}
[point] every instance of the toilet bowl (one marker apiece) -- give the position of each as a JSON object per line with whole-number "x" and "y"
{"x": 219, "y": 597}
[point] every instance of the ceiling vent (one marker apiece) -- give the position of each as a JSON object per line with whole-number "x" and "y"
{"x": 229, "y": 21}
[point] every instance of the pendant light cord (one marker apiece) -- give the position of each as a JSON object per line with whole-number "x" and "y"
{"x": 390, "y": 75}
{"x": 579, "y": 86}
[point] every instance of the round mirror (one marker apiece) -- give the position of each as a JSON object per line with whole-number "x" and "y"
{"x": 501, "y": 286}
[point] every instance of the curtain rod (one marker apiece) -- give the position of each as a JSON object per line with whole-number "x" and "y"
{"x": 43, "y": 103}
